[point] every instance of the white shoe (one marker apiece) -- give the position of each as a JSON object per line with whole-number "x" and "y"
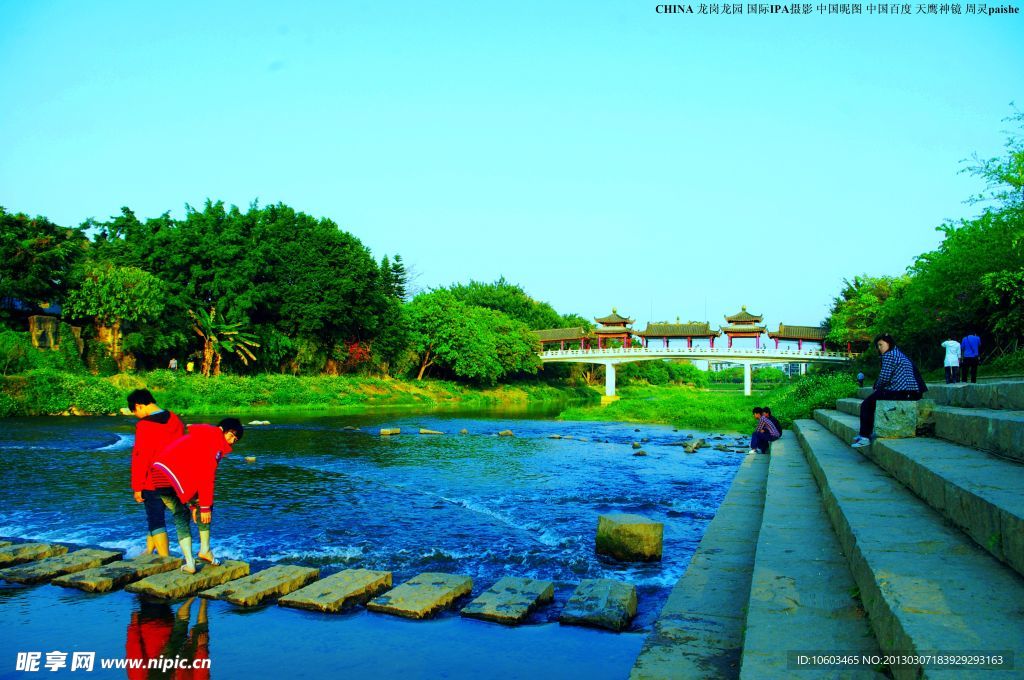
{"x": 860, "y": 442}
{"x": 751, "y": 451}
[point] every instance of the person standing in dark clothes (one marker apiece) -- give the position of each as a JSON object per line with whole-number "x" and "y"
{"x": 899, "y": 380}
{"x": 970, "y": 348}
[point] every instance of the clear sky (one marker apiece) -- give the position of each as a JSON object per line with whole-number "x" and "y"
{"x": 597, "y": 153}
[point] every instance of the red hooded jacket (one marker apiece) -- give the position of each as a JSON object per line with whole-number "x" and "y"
{"x": 152, "y": 435}
{"x": 190, "y": 463}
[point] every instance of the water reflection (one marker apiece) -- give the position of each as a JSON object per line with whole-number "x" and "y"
{"x": 164, "y": 643}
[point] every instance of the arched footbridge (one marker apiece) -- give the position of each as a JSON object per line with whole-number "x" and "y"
{"x": 611, "y": 357}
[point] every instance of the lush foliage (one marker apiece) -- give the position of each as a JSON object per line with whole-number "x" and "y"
{"x": 661, "y": 373}
{"x": 973, "y": 282}
{"x": 763, "y": 375}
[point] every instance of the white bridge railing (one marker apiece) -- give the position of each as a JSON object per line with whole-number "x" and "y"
{"x": 700, "y": 353}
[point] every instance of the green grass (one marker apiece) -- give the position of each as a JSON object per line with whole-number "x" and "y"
{"x": 49, "y": 392}
{"x": 718, "y": 410}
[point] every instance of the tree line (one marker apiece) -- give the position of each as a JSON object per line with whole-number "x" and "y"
{"x": 268, "y": 289}
{"x": 973, "y": 281}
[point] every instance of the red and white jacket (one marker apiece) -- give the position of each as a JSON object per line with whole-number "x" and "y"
{"x": 152, "y": 435}
{"x": 190, "y": 463}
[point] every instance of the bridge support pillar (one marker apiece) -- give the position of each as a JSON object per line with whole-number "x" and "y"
{"x": 746, "y": 378}
{"x": 609, "y": 379}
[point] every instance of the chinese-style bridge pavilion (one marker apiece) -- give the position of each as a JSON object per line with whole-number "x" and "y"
{"x": 578, "y": 335}
{"x": 744, "y": 325}
{"x": 667, "y": 331}
{"x": 801, "y": 334}
{"x": 613, "y": 327}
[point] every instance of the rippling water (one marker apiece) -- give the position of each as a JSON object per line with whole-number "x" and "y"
{"x": 323, "y": 495}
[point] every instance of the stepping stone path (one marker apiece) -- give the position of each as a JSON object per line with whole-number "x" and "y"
{"x": 510, "y": 600}
{"x": 52, "y": 567}
{"x": 388, "y": 431}
{"x": 253, "y": 589}
{"x": 630, "y": 538}
{"x": 339, "y": 591}
{"x": 172, "y": 585}
{"x": 423, "y": 430}
{"x": 423, "y": 596}
{"x": 27, "y": 552}
{"x": 602, "y": 603}
{"x": 117, "y": 574}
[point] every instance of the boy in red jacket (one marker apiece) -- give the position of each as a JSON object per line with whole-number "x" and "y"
{"x": 184, "y": 473}
{"x": 155, "y": 430}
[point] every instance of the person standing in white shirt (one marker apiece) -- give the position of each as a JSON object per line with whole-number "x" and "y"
{"x": 952, "y": 361}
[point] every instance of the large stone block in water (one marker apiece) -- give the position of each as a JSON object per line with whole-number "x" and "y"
{"x": 510, "y": 600}
{"x": 895, "y": 418}
{"x": 176, "y": 584}
{"x": 423, "y": 596}
{"x": 629, "y": 538}
{"x": 253, "y": 589}
{"x": 602, "y": 603}
{"x": 339, "y": 591}
{"x": 52, "y": 567}
{"x": 117, "y": 574}
{"x": 27, "y": 552}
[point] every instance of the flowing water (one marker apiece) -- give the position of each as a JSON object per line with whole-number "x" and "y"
{"x": 330, "y": 492}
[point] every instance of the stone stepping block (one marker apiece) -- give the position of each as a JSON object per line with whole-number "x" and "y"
{"x": 172, "y": 585}
{"x": 253, "y": 589}
{"x": 339, "y": 591}
{"x": 602, "y": 603}
{"x": 423, "y": 596}
{"x": 117, "y": 574}
{"x": 630, "y": 538}
{"x": 52, "y": 567}
{"x": 19, "y": 553}
{"x": 510, "y": 600}
{"x": 424, "y": 430}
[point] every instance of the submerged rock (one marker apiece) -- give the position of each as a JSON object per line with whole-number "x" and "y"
{"x": 463, "y": 431}
{"x": 640, "y": 453}
{"x": 506, "y": 433}
{"x": 691, "y": 447}
{"x": 554, "y": 436}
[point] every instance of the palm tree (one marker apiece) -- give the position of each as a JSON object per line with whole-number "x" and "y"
{"x": 219, "y": 337}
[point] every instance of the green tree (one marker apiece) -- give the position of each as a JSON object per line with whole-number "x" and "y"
{"x": 855, "y": 312}
{"x": 113, "y": 296}
{"x": 220, "y": 338}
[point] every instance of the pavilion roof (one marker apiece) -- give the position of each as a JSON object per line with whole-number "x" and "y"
{"x": 743, "y": 316}
{"x": 618, "y": 330}
{"x": 692, "y": 329}
{"x": 815, "y": 333}
{"x": 559, "y": 334}
{"x": 735, "y": 329}
{"x": 613, "y": 318}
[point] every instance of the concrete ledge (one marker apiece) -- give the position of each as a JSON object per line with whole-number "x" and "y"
{"x": 993, "y": 430}
{"x": 251, "y": 590}
{"x": 510, "y": 600}
{"x": 423, "y": 596}
{"x": 339, "y": 591}
{"x": 59, "y": 565}
{"x": 1005, "y": 394}
{"x": 700, "y": 629}
{"x": 172, "y": 585}
{"x": 801, "y": 594}
{"x": 117, "y": 574}
{"x": 925, "y": 585}
{"x": 981, "y": 494}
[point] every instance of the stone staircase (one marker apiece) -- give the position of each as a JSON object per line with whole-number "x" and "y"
{"x": 907, "y": 547}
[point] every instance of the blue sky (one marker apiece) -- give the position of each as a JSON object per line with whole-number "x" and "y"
{"x": 599, "y": 154}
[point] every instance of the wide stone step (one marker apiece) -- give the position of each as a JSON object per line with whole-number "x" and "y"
{"x": 997, "y": 430}
{"x": 980, "y": 493}
{"x": 699, "y": 632}
{"x": 251, "y": 590}
{"x": 423, "y": 595}
{"x": 118, "y": 574}
{"x": 801, "y": 593}
{"x": 925, "y": 585}
{"x": 172, "y": 585}
{"x": 339, "y": 591}
{"x": 19, "y": 553}
{"x": 59, "y": 565}
{"x": 996, "y": 394}
{"x": 510, "y": 600}
{"x": 601, "y": 603}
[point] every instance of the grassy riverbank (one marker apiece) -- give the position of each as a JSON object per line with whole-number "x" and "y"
{"x": 717, "y": 410}
{"x": 50, "y": 392}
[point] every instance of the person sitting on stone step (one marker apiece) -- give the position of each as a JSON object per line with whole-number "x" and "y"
{"x": 156, "y": 429}
{"x": 765, "y": 432}
{"x": 898, "y": 380}
{"x": 184, "y": 476}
